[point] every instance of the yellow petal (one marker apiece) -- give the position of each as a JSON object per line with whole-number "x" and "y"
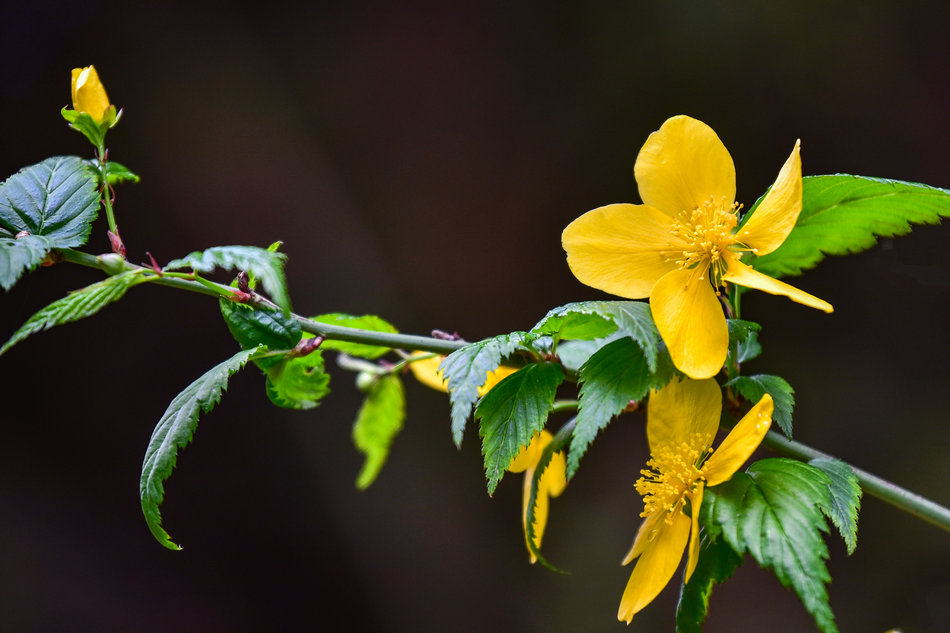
{"x": 741, "y": 442}
{"x": 681, "y": 410}
{"x": 646, "y": 534}
{"x": 684, "y": 164}
{"x": 776, "y": 215}
{"x": 554, "y": 479}
{"x": 89, "y": 95}
{"x": 620, "y": 248}
{"x": 655, "y": 567}
{"x": 492, "y": 378}
{"x": 695, "y": 503}
{"x": 541, "y": 504}
{"x": 427, "y": 371}
{"x": 529, "y": 455}
{"x": 690, "y": 320}
{"x": 739, "y": 273}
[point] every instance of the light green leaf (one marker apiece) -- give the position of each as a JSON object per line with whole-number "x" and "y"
{"x": 584, "y": 320}
{"x": 174, "y": 431}
{"x": 844, "y": 214}
{"x": 752, "y": 388}
{"x": 299, "y": 382}
{"x": 634, "y": 319}
{"x": 465, "y": 370}
{"x": 378, "y": 422}
{"x": 366, "y": 322}
{"x": 265, "y": 265}
{"x": 773, "y": 512}
{"x": 55, "y": 202}
{"x": 116, "y": 173}
{"x": 512, "y": 412}
{"x": 845, "y": 499}
{"x": 78, "y": 304}
{"x": 717, "y": 563}
{"x": 88, "y": 127}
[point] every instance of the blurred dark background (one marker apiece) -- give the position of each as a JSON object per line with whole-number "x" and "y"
{"x": 419, "y": 161}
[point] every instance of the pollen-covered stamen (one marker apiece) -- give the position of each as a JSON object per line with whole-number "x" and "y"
{"x": 708, "y": 231}
{"x": 674, "y": 471}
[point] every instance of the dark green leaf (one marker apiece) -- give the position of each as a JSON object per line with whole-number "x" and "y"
{"x": 634, "y": 319}
{"x": 378, "y": 422}
{"x": 78, "y": 304}
{"x": 752, "y": 388}
{"x": 175, "y": 430}
{"x": 717, "y": 562}
{"x": 117, "y": 173}
{"x": 584, "y": 320}
{"x": 252, "y": 326}
{"x": 557, "y": 445}
{"x": 745, "y": 335}
{"x": 298, "y": 383}
{"x": 265, "y": 265}
{"x": 512, "y": 412}
{"x": 18, "y": 256}
{"x": 773, "y": 512}
{"x": 466, "y": 369}
{"x": 366, "y": 322}
{"x": 616, "y": 375}
{"x": 844, "y": 214}
{"x": 845, "y": 499}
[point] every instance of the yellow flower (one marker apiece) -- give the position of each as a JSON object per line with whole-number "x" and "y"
{"x": 426, "y": 371}
{"x": 681, "y": 245}
{"x": 552, "y": 484}
{"x": 89, "y": 95}
{"x": 682, "y": 419}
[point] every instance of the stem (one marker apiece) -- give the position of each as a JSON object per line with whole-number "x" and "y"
{"x": 106, "y": 198}
{"x": 900, "y": 498}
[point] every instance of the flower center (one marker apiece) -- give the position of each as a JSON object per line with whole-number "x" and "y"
{"x": 673, "y": 472}
{"x": 708, "y": 233}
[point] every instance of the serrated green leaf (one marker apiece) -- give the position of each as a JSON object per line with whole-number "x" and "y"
{"x": 466, "y": 369}
{"x": 512, "y": 412}
{"x": 298, "y": 383}
{"x": 773, "y": 512}
{"x": 378, "y": 422}
{"x": 366, "y": 322}
{"x": 583, "y": 320}
{"x": 557, "y": 444}
{"x": 77, "y": 305}
{"x": 745, "y": 336}
{"x": 266, "y": 266}
{"x": 844, "y": 214}
{"x": 845, "y": 493}
{"x": 614, "y": 376}
{"x": 174, "y": 431}
{"x": 717, "y": 563}
{"x": 752, "y": 388}
{"x": 252, "y": 326}
{"x": 633, "y": 318}
{"x": 56, "y": 199}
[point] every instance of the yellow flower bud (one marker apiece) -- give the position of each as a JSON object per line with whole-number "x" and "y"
{"x": 89, "y": 95}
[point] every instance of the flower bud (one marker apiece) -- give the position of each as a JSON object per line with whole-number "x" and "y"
{"x": 89, "y": 95}
{"x": 365, "y": 381}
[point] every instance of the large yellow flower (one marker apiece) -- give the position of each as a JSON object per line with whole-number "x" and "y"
{"x": 89, "y": 95}
{"x": 682, "y": 419}
{"x": 681, "y": 245}
{"x": 552, "y": 484}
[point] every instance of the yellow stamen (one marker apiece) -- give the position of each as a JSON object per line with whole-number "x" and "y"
{"x": 674, "y": 471}
{"x": 708, "y": 231}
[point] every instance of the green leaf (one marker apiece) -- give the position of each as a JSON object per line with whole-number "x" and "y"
{"x": 252, "y": 326}
{"x": 117, "y": 173}
{"x": 366, "y": 322}
{"x": 56, "y": 199}
{"x": 175, "y": 430}
{"x": 265, "y": 265}
{"x": 584, "y": 320}
{"x": 613, "y": 377}
{"x": 78, "y": 304}
{"x": 466, "y": 369}
{"x": 512, "y": 412}
{"x": 634, "y": 319}
{"x": 88, "y": 127}
{"x": 717, "y": 562}
{"x": 745, "y": 336}
{"x": 299, "y": 382}
{"x": 845, "y": 499}
{"x": 844, "y": 214}
{"x": 773, "y": 512}
{"x": 752, "y": 388}
{"x": 557, "y": 445}
{"x": 378, "y": 422}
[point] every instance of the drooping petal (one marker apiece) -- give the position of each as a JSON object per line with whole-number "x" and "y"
{"x": 684, "y": 164}
{"x": 739, "y": 273}
{"x": 690, "y": 320}
{"x": 554, "y": 479}
{"x": 655, "y": 567}
{"x": 684, "y": 411}
{"x": 541, "y": 504}
{"x": 620, "y": 248}
{"x": 695, "y": 503}
{"x": 776, "y": 215}
{"x": 646, "y": 534}
{"x": 741, "y": 442}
